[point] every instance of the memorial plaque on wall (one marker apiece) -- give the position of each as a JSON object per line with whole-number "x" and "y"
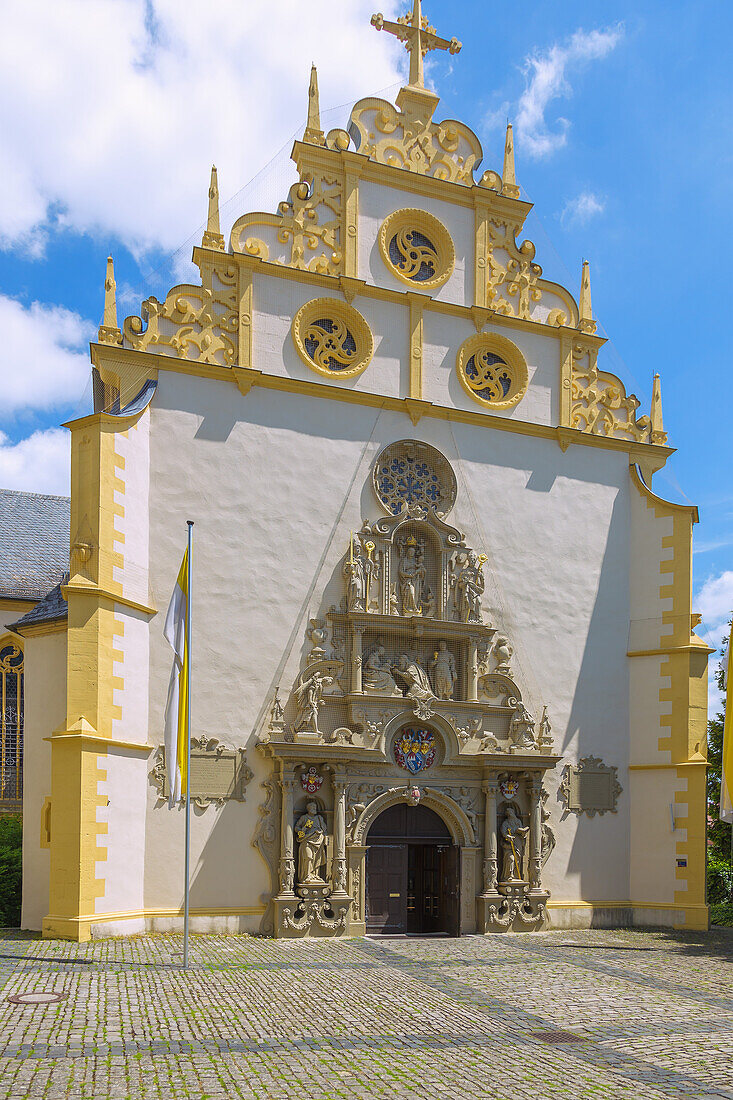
{"x": 218, "y": 774}
{"x": 590, "y": 787}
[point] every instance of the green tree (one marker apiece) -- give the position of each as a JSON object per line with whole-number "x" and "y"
{"x": 719, "y": 832}
{"x": 11, "y": 863}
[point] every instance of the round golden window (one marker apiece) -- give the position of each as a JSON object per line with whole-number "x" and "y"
{"x": 332, "y": 338}
{"x": 492, "y": 370}
{"x": 417, "y": 248}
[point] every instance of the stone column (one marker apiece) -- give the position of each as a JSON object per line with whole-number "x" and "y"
{"x": 287, "y": 862}
{"x": 472, "y": 671}
{"x": 490, "y": 788}
{"x": 356, "y": 659}
{"x": 534, "y": 788}
{"x": 338, "y": 870}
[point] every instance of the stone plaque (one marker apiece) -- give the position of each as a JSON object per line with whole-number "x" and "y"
{"x": 218, "y": 774}
{"x": 590, "y": 787}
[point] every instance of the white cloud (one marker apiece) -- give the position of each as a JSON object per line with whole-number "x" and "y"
{"x": 714, "y": 601}
{"x": 112, "y": 112}
{"x": 44, "y": 361}
{"x": 546, "y": 74}
{"x": 580, "y": 210}
{"x": 38, "y": 464}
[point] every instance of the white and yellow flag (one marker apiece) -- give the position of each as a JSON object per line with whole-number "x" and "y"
{"x": 176, "y": 708}
{"x": 726, "y": 784}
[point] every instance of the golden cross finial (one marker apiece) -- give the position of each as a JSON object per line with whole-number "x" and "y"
{"x": 419, "y": 37}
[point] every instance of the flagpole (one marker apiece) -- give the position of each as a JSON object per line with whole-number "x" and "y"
{"x": 188, "y": 746}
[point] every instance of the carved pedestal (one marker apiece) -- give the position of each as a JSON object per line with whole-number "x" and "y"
{"x": 512, "y": 908}
{"x": 313, "y": 912}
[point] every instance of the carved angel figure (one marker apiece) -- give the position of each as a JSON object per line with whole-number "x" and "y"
{"x": 470, "y": 588}
{"x": 376, "y": 675}
{"x": 310, "y": 832}
{"x": 309, "y": 697}
{"x": 416, "y": 679}
{"x": 410, "y": 577}
{"x": 443, "y": 665}
{"x": 513, "y": 839}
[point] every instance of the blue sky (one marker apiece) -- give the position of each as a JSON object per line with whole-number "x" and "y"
{"x": 623, "y": 131}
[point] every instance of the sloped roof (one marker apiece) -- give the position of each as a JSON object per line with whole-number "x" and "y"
{"x": 51, "y": 608}
{"x": 34, "y": 543}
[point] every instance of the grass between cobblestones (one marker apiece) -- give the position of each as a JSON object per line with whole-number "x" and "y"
{"x": 371, "y": 1019}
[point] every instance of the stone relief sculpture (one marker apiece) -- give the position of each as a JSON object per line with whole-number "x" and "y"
{"x": 311, "y": 834}
{"x": 513, "y": 840}
{"x": 376, "y": 674}
{"x": 309, "y": 697}
{"x": 415, "y": 677}
{"x": 443, "y": 665}
{"x": 470, "y": 588}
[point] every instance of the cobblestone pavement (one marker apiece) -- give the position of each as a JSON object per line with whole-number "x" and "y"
{"x": 640, "y": 1014}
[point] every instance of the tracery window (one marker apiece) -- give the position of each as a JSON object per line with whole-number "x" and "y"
{"x": 11, "y": 725}
{"x": 409, "y": 472}
{"x": 332, "y": 338}
{"x": 492, "y": 371}
{"x": 417, "y": 248}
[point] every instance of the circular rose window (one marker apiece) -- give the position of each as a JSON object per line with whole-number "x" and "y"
{"x": 412, "y": 473}
{"x": 332, "y": 338}
{"x": 417, "y": 248}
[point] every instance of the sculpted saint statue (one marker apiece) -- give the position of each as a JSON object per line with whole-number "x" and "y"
{"x": 416, "y": 679}
{"x": 410, "y": 578}
{"x": 310, "y": 832}
{"x": 309, "y": 697}
{"x": 443, "y": 665}
{"x": 513, "y": 840}
{"x": 470, "y": 589}
{"x": 355, "y": 574}
{"x": 376, "y": 675}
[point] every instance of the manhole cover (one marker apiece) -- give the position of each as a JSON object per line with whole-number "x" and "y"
{"x": 39, "y": 998}
{"x": 559, "y": 1037}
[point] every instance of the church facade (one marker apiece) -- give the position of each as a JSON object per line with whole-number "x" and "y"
{"x": 445, "y": 674}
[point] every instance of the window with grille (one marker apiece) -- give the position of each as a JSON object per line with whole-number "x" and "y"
{"x": 11, "y": 729}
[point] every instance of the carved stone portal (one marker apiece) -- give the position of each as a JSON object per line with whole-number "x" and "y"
{"x": 405, "y": 694}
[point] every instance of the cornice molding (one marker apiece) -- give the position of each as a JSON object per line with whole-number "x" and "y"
{"x": 245, "y": 379}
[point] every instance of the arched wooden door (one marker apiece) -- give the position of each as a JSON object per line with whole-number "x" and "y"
{"x": 412, "y": 873}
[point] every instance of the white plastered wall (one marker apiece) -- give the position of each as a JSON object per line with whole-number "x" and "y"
{"x": 276, "y": 301}
{"x": 275, "y": 482}
{"x": 377, "y": 202}
{"x": 443, "y": 336}
{"x": 45, "y": 711}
